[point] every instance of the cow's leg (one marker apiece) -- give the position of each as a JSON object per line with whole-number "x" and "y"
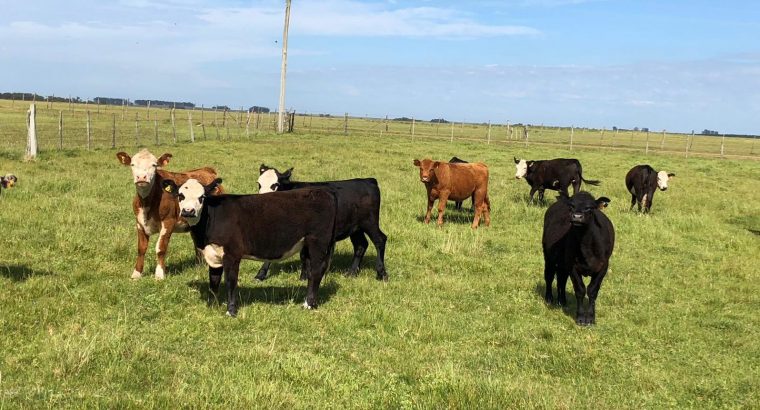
{"x": 430, "y": 203}
{"x": 305, "y": 263}
{"x": 231, "y": 266}
{"x": 378, "y": 239}
{"x": 360, "y": 246}
{"x": 549, "y": 268}
{"x": 162, "y": 245}
{"x": 593, "y": 291}
{"x": 214, "y": 279}
{"x": 262, "y": 275}
{"x": 320, "y": 260}
{"x": 580, "y": 296}
{"x": 443, "y": 197}
{"x": 142, "y": 247}
{"x": 561, "y": 284}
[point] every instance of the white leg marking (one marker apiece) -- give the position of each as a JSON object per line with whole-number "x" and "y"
{"x": 159, "y": 272}
{"x": 136, "y": 274}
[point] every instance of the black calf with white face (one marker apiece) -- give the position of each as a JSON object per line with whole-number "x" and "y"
{"x": 578, "y": 239}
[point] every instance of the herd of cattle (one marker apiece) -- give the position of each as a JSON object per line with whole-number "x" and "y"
{"x": 288, "y": 217}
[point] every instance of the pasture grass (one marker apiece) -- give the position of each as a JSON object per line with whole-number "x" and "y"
{"x": 460, "y": 324}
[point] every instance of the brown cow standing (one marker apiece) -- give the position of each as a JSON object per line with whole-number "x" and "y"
{"x": 157, "y": 211}
{"x": 445, "y": 181}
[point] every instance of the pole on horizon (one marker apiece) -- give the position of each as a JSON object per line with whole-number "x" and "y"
{"x": 283, "y": 69}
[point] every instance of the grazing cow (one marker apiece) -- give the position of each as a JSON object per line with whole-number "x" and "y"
{"x": 358, "y": 214}
{"x": 155, "y": 210}
{"x": 555, "y": 174}
{"x": 577, "y": 241}
{"x": 642, "y": 181}
{"x": 8, "y": 181}
{"x": 444, "y": 181}
{"x": 229, "y": 228}
{"x": 458, "y": 204}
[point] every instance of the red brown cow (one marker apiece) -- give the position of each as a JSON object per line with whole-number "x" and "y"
{"x": 157, "y": 211}
{"x": 445, "y": 181}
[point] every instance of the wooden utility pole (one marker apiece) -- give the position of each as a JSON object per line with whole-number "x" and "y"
{"x": 283, "y": 69}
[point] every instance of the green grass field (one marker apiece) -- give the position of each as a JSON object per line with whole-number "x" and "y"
{"x": 460, "y": 324}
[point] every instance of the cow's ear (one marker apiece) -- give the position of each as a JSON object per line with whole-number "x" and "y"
{"x": 210, "y": 188}
{"x": 169, "y": 186}
{"x": 602, "y": 202}
{"x": 517, "y": 161}
{"x": 671, "y": 175}
{"x": 124, "y": 158}
{"x": 416, "y": 162}
{"x": 288, "y": 173}
{"x": 436, "y": 164}
{"x": 164, "y": 159}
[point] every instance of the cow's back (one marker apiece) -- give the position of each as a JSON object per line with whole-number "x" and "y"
{"x": 461, "y": 179}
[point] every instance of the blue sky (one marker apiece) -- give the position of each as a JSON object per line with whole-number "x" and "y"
{"x": 675, "y": 65}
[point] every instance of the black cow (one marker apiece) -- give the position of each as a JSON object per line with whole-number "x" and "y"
{"x": 577, "y": 241}
{"x": 358, "y": 214}
{"x": 229, "y": 228}
{"x": 642, "y": 182}
{"x": 556, "y": 174}
{"x": 458, "y": 204}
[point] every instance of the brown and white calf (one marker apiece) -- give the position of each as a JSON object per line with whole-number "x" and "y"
{"x": 156, "y": 211}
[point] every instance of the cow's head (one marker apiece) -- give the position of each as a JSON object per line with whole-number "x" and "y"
{"x": 270, "y": 179}
{"x": 582, "y": 207}
{"x": 522, "y": 168}
{"x": 144, "y": 165}
{"x": 190, "y": 196}
{"x": 427, "y": 169}
{"x": 8, "y": 181}
{"x": 662, "y": 180}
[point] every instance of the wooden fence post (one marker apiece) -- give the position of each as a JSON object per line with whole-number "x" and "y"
{"x": 113, "y": 130}
{"x": 174, "y": 128}
{"x": 89, "y": 136}
{"x": 60, "y": 130}
{"x": 190, "y": 124}
{"x": 31, "y": 141}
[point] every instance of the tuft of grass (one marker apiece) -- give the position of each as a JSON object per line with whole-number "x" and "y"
{"x": 460, "y": 324}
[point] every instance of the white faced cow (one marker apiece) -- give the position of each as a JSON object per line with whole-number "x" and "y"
{"x": 642, "y": 182}
{"x": 156, "y": 211}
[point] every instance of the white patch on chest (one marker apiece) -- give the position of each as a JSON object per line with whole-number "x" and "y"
{"x": 150, "y": 227}
{"x": 213, "y": 255}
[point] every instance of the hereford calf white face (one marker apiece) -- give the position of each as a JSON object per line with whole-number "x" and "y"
{"x": 662, "y": 180}
{"x": 268, "y": 181}
{"x": 190, "y": 195}
{"x": 144, "y": 166}
{"x": 522, "y": 168}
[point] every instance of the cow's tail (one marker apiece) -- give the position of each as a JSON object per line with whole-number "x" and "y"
{"x": 593, "y": 182}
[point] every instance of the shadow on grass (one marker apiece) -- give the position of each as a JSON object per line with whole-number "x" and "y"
{"x": 273, "y": 295}
{"x": 18, "y": 273}
{"x": 568, "y": 310}
{"x": 340, "y": 264}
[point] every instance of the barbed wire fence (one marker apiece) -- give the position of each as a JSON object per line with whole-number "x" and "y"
{"x": 66, "y": 126}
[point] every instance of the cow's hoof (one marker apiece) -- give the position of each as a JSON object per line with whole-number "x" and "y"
{"x": 136, "y": 275}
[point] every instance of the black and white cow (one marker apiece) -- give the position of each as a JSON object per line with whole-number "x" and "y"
{"x": 358, "y": 214}
{"x": 556, "y": 174}
{"x": 229, "y": 228}
{"x": 7, "y": 181}
{"x": 577, "y": 241}
{"x": 458, "y": 204}
{"x": 642, "y": 182}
